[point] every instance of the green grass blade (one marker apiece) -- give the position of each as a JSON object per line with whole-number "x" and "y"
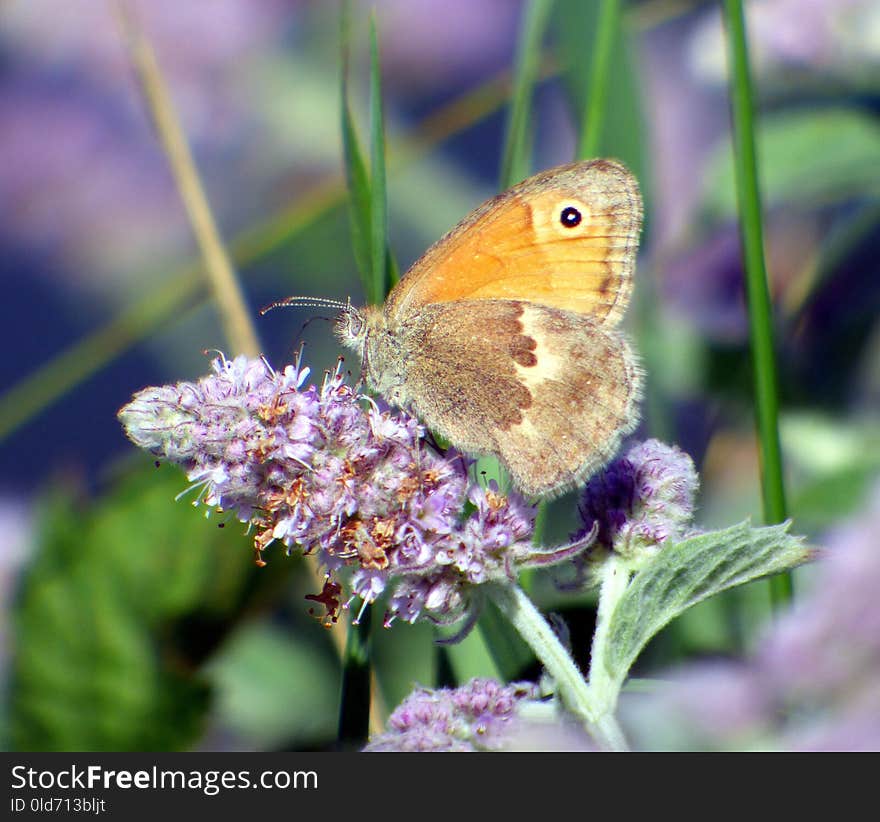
{"x": 599, "y": 65}
{"x": 359, "y": 197}
{"x": 515, "y": 157}
{"x": 378, "y": 192}
{"x": 357, "y": 182}
{"x": 218, "y": 267}
{"x": 757, "y": 291}
{"x": 607, "y": 28}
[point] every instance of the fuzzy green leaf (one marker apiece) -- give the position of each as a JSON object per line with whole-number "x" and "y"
{"x": 688, "y": 572}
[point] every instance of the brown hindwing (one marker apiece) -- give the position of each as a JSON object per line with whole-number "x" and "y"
{"x": 550, "y": 392}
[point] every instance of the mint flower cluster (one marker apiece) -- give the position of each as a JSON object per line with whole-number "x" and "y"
{"x": 329, "y": 471}
{"x": 479, "y": 716}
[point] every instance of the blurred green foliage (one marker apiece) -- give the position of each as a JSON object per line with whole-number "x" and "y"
{"x": 121, "y": 604}
{"x": 808, "y": 158}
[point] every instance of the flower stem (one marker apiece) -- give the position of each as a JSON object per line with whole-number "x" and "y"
{"x": 573, "y": 689}
{"x": 614, "y": 580}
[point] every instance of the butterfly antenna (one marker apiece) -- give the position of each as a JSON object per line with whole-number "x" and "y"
{"x": 314, "y": 302}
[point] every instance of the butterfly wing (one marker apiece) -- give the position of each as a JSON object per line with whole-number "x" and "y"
{"x": 525, "y": 245}
{"x": 550, "y": 392}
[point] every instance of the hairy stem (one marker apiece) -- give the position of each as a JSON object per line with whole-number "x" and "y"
{"x": 605, "y": 688}
{"x": 573, "y": 689}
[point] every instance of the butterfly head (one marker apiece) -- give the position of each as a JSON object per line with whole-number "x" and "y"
{"x": 364, "y": 331}
{"x": 351, "y": 328}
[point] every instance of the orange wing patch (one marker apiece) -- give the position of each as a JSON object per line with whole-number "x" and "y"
{"x": 566, "y": 240}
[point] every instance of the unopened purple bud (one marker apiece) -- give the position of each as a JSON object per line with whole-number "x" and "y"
{"x": 641, "y": 500}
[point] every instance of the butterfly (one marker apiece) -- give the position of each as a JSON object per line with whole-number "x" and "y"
{"x": 503, "y": 337}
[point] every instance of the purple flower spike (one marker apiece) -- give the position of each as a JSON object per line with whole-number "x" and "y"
{"x": 355, "y": 486}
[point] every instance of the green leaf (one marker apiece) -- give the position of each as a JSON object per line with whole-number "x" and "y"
{"x": 359, "y": 199}
{"x": 403, "y": 656}
{"x": 473, "y": 657}
{"x": 392, "y": 270}
{"x": 806, "y": 157}
{"x": 508, "y": 649}
{"x": 688, "y": 572}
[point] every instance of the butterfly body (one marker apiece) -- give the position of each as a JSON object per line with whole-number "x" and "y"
{"x": 503, "y": 337}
